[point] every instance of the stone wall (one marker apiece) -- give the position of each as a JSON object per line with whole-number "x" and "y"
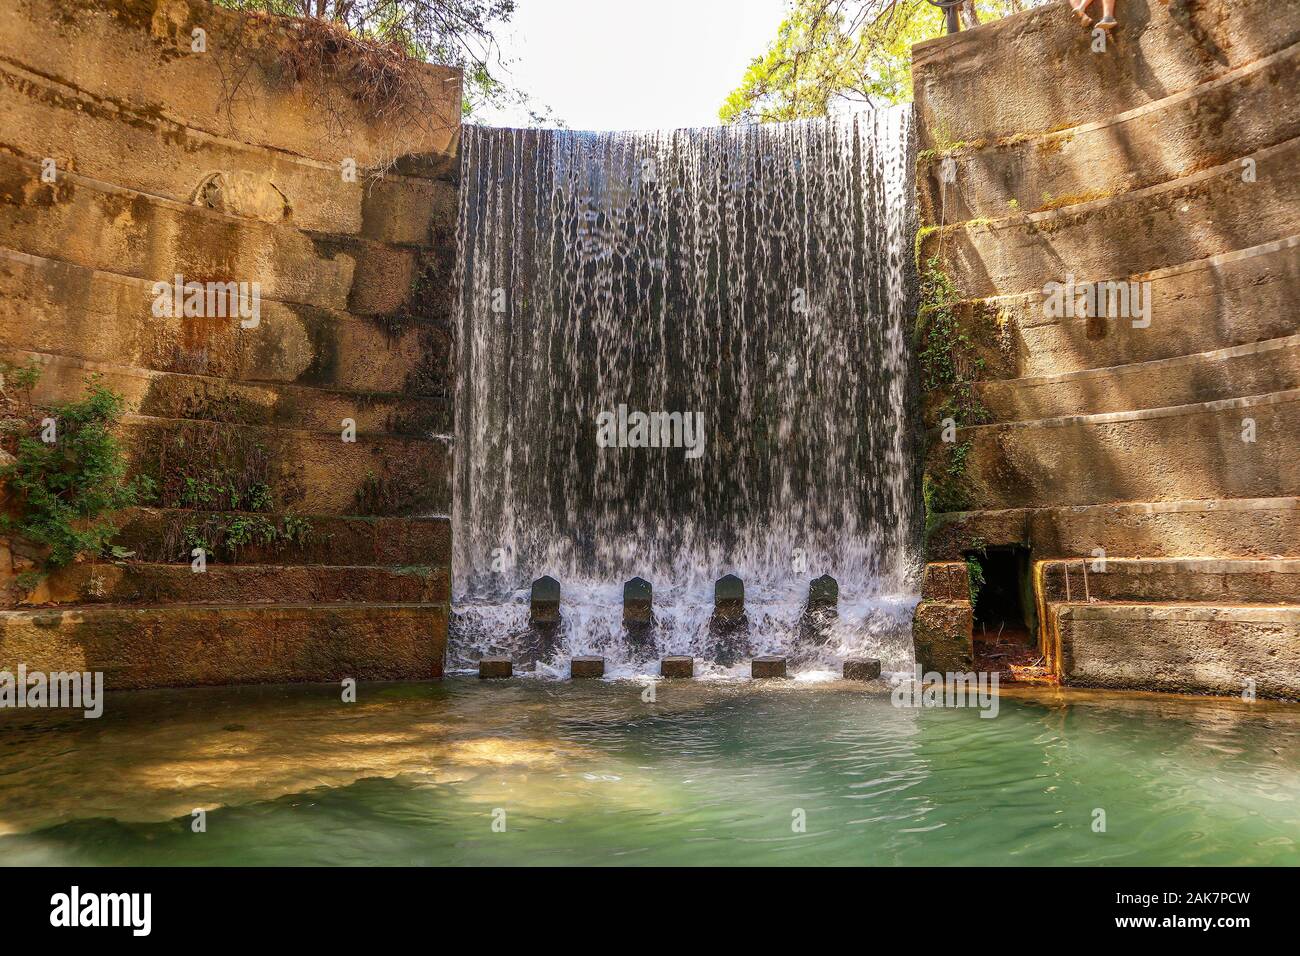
{"x": 189, "y": 140}
{"x": 1157, "y": 457}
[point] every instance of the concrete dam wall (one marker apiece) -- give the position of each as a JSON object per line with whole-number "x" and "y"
{"x": 1107, "y": 343}
{"x": 1136, "y": 457}
{"x": 146, "y": 140}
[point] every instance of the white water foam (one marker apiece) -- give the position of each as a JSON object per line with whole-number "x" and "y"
{"x": 666, "y": 271}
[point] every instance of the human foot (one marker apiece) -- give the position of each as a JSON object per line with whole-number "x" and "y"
{"x": 1081, "y": 11}
{"x": 1107, "y": 24}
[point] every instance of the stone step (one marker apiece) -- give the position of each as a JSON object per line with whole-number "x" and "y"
{"x": 1198, "y": 216}
{"x": 111, "y": 229}
{"x": 176, "y": 646}
{"x": 1231, "y": 299}
{"x": 1253, "y": 369}
{"x": 1159, "y": 454}
{"x": 1192, "y": 648}
{"x": 1273, "y": 581}
{"x": 243, "y": 84}
{"x": 45, "y": 118}
{"x": 56, "y": 307}
{"x": 314, "y": 472}
{"x": 174, "y": 395}
{"x": 1234, "y": 527}
{"x": 129, "y": 582}
{"x": 1035, "y": 71}
{"x": 1175, "y": 136}
{"x": 167, "y": 535}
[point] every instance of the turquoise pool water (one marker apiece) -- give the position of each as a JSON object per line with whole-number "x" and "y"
{"x": 535, "y": 772}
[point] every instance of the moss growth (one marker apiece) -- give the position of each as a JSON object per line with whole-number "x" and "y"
{"x": 947, "y": 350}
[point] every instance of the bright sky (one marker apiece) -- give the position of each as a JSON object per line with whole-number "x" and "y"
{"x": 634, "y": 64}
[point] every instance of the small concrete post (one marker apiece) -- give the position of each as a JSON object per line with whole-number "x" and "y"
{"x": 729, "y": 598}
{"x": 580, "y": 667}
{"x": 824, "y": 594}
{"x": 544, "y": 604}
{"x": 638, "y": 598}
{"x": 861, "y": 668}
{"x": 728, "y": 625}
{"x": 495, "y": 667}
{"x": 820, "y": 612}
{"x": 676, "y": 666}
{"x": 769, "y": 666}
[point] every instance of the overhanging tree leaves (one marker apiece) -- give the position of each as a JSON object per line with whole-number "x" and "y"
{"x": 459, "y": 33}
{"x": 830, "y": 55}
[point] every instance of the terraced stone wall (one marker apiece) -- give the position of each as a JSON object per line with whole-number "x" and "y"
{"x": 141, "y": 140}
{"x": 1146, "y": 457}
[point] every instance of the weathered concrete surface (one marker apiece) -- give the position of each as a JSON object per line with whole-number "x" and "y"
{"x": 943, "y": 636}
{"x": 41, "y": 116}
{"x": 234, "y": 163}
{"x": 158, "y": 535}
{"x": 1256, "y": 368}
{"x": 177, "y": 646}
{"x": 495, "y": 668}
{"x": 53, "y": 307}
{"x": 766, "y": 667}
{"x": 1193, "y": 648}
{"x": 122, "y": 582}
{"x": 1168, "y": 160}
{"x": 677, "y": 666}
{"x": 586, "y": 667}
{"x": 1212, "y": 580}
{"x": 306, "y": 471}
{"x": 140, "y": 53}
{"x": 111, "y": 229}
{"x": 1235, "y": 298}
{"x": 1193, "y": 217}
{"x": 1240, "y": 527}
{"x": 1162, "y": 48}
{"x": 1162, "y": 454}
{"x": 201, "y": 397}
{"x": 946, "y": 581}
{"x": 1175, "y": 137}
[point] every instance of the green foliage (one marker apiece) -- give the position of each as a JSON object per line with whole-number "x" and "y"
{"x": 211, "y": 467}
{"x": 833, "y": 53}
{"x": 947, "y": 350}
{"x": 974, "y": 577}
{"x": 220, "y": 490}
{"x": 64, "y": 491}
{"x": 945, "y": 488}
{"x": 459, "y": 33}
{"x": 21, "y": 377}
{"x": 223, "y": 536}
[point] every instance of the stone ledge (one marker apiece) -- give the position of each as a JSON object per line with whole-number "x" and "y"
{"x": 230, "y": 644}
{"x": 1162, "y": 47}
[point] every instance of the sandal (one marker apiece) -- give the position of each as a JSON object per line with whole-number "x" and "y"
{"x": 1107, "y": 23}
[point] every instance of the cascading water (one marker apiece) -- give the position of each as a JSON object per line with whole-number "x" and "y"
{"x": 754, "y": 279}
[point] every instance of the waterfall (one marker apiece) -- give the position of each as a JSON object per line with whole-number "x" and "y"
{"x": 755, "y": 279}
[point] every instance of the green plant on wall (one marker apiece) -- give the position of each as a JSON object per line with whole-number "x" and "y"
{"x": 974, "y": 578}
{"x": 63, "y": 491}
{"x": 224, "y": 536}
{"x": 950, "y": 366}
{"x": 948, "y": 351}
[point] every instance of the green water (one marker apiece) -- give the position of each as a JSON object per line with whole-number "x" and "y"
{"x": 590, "y": 773}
